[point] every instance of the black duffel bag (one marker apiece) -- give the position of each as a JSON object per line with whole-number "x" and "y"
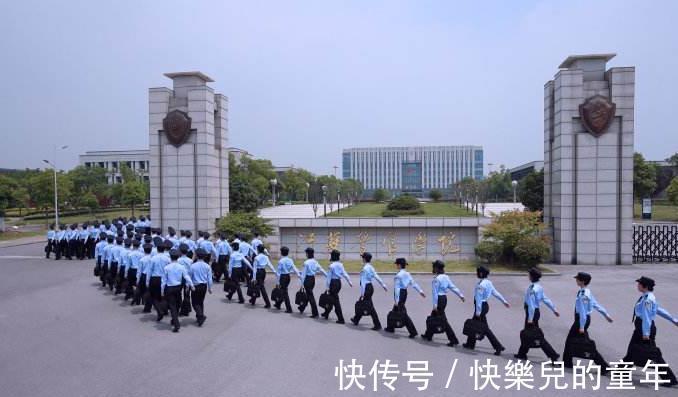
{"x": 363, "y": 307}
{"x": 97, "y": 270}
{"x": 301, "y": 298}
{"x": 435, "y": 324}
{"x": 324, "y": 300}
{"x": 474, "y": 328}
{"x": 646, "y": 351}
{"x": 532, "y": 336}
{"x": 277, "y": 295}
{"x": 395, "y": 318}
{"x": 229, "y": 285}
{"x": 583, "y": 347}
{"x": 253, "y": 290}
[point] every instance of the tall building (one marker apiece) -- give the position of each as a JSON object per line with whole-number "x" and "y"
{"x": 112, "y": 160}
{"x": 413, "y": 169}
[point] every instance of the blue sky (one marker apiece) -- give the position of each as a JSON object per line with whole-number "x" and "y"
{"x": 308, "y": 78}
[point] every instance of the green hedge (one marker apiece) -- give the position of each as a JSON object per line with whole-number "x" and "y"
{"x": 396, "y": 213}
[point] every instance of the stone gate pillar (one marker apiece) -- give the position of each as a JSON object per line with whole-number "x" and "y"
{"x": 188, "y": 139}
{"x": 588, "y": 161}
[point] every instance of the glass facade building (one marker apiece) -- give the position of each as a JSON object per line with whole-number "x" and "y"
{"x": 414, "y": 169}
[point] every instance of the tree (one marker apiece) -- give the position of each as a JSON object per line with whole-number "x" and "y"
{"x": 293, "y": 185}
{"x": 90, "y": 201}
{"x": 246, "y": 223}
{"x": 7, "y": 188}
{"x": 673, "y": 159}
{"x": 672, "y": 191}
{"x": 249, "y": 183}
{"x": 133, "y": 193}
{"x": 435, "y": 195}
{"x": 499, "y": 185}
{"x": 644, "y": 177}
{"x": 531, "y": 191}
{"x": 380, "y": 195}
{"x": 351, "y": 190}
{"x": 514, "y": 236}
{"x": 41, "y": 189}
{"x": 243, "y": 195}
{"x": 21, "y": 198}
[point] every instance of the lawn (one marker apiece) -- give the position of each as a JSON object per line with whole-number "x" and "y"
{"x": 86, "y": 217}
{"x": 660, "y": 212}
{"x": 364, "y": 210}
{"x": 355, "y": 266}
{"x": 12, "y": 235}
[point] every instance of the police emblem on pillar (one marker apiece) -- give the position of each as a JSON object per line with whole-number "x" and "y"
{"x": 596, "y": 114}
{"x": 177, "y": 127}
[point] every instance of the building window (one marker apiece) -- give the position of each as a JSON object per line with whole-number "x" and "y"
{"x": 142, "y": 165}
{"x": 145, "y": 178}
{"x": 102, "y": 164}
{"x": 88, "y": 164}
{"x": 129, "y": 164}
{"x": 114, "y": 165}
{"x": 118, "y": 179}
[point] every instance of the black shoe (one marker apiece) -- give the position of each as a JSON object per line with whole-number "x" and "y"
{"x": 201, "y": 320}
{"x": 452, "y": 344}
{"x": 267, "y": 306}
{"x": 241, "y": 302}
{"x": 412, "y": 336}
{"x": 376, "y": 328}
{"x": 288, "y": 311}
{"x": 175, "y": 329}
{"x": 498, "y": 351}
{"x": 467, "y": 346}
{"x": 314, "y": 315}
{"x": 354, "y": 321}
{"x": 159, "y": 318}
{"x": 518, "y": 356}
{"x": 387, "y": 329}
{"x": 341, "y": 322}
{"x": 554, "y": 358}
{"x": 325, "y": 316}
{"x": 426, "y": 337}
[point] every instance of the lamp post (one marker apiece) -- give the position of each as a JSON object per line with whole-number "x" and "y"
{"x": 308, "y": 186}
{"x": 324, "y": 188}
{"x": 56, "y": 193}
{"x": 273, "y": 183}
{"x": 514, "y": 184}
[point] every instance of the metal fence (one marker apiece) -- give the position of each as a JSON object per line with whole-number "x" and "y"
{"x": 654, "y": 242}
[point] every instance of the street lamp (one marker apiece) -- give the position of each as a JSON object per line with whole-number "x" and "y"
{"x": 308, "y": 186}
{"x": 514, "y": 184}
{"x": 324, "y": 188}
{"x": 56, "y": 193}
{"x": 273, "y": 183}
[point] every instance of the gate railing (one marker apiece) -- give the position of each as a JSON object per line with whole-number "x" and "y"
{"x": 655, "y": 242}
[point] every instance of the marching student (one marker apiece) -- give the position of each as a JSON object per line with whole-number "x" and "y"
{"x": 285, "y": 268}
{"x": 367, "y": 275}
{"x": 120, "y": 282}
{"x": 261, "y": 261}
{"x": 534, "y": 296}
{"x": 99, "y": 252}
{"x": 133, "y": 258}
{"x": 585, "y": 303}
{"x": 235, "y": 271}
{"x": 185, "y": 297}
{"x": 173, "y": 277}
{"x": 483, "y": 290}
{"x": 154, "y": 280}
{"x": 256, "y": 242}
{"x": 116, "y": 255}
{"x": 439, "y": 286}
{"x": 141, "y": 294}
{"x": 51, "y": 234}
{"x": 107, "y": 256}
{"x": 83, "y": 241}
{"x": 335, "y": 273}
{"x": 402, "y": 281}
{"x": 249, "y": 253}
{"x": 224, "y": 251}
{"x": 201, "y": 274}
{"x": 644, "y": 332}
{"x": 93, "y": 239}
{"x": 310, "y": 269}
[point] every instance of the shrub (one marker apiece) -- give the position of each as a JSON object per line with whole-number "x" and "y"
{"x": 395, "y": 213}
{"x": 435, "y": 195}
{"x": 380, "y": 195}
{"x": 404, "y": 202}
{"x": 514, "y": 236}
{"x": 531, "y": 250}
{"x": 245, "y": 223}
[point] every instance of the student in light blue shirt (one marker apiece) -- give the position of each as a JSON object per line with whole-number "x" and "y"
{"x": 481, "y": 294}
{"x": 235, "y": 272}
{"x": 367, "y": 275}
{"x": 173, "y": 278}
{"x": 201, "y": 274}
{"x": 645, "y": 311}
{"x": 121, "y": 280}
{"x": 261, "y": 262}
{"x": 185, "y": 298}
{"x": 285, "y": 268}
{"x": 223, "y": 249}
{"x": 534, "y": 296}
{"x": 133, "y": 258}
{"x": 51, "y": 234}
{"x": 154, "y": 279}
{"x": 310, "y": 269}
{"x": 335, "y": 273}
{"x": 440, "y": 284}
{"x": 141, "y": 294}
{"x": 256, "y": 242}
{"x": 585, "y": 303}
{"x": 401, "y": 282}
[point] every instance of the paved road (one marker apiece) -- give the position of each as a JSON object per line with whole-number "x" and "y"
{"x": 62, "y": 335}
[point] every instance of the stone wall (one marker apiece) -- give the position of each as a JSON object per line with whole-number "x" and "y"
{"x": 449, "y": 239}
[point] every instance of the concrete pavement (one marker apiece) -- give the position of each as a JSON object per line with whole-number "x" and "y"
{"x": 63, "y": 335}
